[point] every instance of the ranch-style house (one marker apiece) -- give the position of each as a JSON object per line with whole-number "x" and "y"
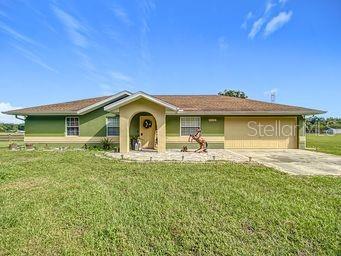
{"x": 164, "y": 122}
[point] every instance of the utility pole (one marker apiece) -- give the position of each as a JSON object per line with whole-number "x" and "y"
{"x": 273, "y": 96}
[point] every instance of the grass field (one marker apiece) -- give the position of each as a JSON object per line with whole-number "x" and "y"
{"x": 17, "y": 138}
{"x": 5, "y": 144}
{"x": 325, "y": 143}
{"x": 76, "y": 203}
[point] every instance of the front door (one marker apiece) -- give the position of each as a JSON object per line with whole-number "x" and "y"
{"x": 147, "y": 131}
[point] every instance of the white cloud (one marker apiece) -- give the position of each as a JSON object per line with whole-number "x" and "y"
{"x": 269, "y": 5}
{"x": 222, "y": 43}
{"x": 246, "y": 19}
{"x": 76, "y": 31}
{"x": 122, "y": 15}
{"x": 271, "y": 26}
{"x": 256, "y": 27}
{"x": 16, "y": 35}
{"x": 107, "y": 89}
{"x": 277, "y": 22}
{"x": 34, "y": 58}
{"x": 108, "y": 81}
{"x": 146, "y": 7}
{"x": 119, "y": 76}
{"x": 5, "y": 106}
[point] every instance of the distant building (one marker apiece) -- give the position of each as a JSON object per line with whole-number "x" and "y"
{"x": 334, "y": 131}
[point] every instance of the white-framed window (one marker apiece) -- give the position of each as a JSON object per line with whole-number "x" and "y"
{"x": 72, "y": 126}
{"x": 189, "y": 124}
{"x": 113, "y": 126}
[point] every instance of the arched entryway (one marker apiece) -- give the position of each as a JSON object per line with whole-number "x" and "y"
{"x": 127, "y": 114}
{"x": 143, "y": 132}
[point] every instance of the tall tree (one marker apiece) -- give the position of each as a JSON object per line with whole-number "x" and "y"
{"x": 233, "y": 93}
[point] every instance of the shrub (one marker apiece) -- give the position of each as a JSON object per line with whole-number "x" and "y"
{"x": 106, "y": 143}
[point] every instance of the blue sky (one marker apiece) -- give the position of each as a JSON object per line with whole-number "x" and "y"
{"x": 55, "y": 51}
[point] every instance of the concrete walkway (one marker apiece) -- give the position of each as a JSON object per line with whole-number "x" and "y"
{"x": 176, "y": 155}
{"x": 295, "y": 161}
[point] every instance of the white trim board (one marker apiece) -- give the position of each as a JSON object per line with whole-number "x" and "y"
{"x": 243, "y": 113}
{"x": 65, "y": 126}
{"x": 182, "y": 117}
{"x": 136, "y": 96}
{"x": 103, "y": 102}
{"x": 107, "y": 127}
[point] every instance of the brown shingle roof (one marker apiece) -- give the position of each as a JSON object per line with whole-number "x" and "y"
{"x": 68, "y": 107}
{"x": 187, "y": 103}
{"x": 217, "y": 103}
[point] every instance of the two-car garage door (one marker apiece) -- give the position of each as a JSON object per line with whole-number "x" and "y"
{"x": 260, "y": 132}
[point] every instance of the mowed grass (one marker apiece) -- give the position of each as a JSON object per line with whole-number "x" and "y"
{"x": 325, "y": 143}
{"x": 16, "y": 138}
{"x": 75, "y": 203}
{"x": 5, "y": 144}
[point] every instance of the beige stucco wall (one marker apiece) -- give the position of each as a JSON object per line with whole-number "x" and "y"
{"x": 128, "y": 111}
{"x": 240, "y": 133}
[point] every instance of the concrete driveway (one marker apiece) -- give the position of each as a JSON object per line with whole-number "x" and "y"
{"x": 295, "y": 161}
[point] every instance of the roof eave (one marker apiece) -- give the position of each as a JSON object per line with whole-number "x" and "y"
{"x": 14, "y": 112}
{"x": 180, "y": 112}
{"x": 249, "y": 113}
{"x": 75, "y": 112}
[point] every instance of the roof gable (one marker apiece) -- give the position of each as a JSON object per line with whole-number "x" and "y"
{"x": 140, "y": 95}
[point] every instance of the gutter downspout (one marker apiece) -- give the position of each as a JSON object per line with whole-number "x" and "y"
{"x": 22, "y": 119}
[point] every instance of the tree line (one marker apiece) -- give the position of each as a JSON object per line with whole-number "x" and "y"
{"x": 315, "y": 124}
{"x": 6, "y": 127}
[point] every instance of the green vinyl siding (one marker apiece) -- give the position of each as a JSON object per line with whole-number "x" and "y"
{"x": 93, "y": 124}
{"x": 41, "y": 126}
{"x": 213, "y": 128}
{"x": 172, "y": 126}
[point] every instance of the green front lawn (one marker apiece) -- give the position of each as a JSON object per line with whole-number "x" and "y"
{"x": 325, "y": 143}
{"x": 5, "y": 144}
{"x": 76, "y": 203}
